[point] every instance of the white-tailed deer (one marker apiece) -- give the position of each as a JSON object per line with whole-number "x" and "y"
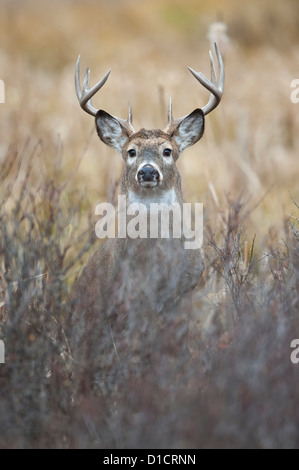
{"x": 143, "y": 278}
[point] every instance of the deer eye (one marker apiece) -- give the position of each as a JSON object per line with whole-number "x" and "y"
{"x": 167, "y": 152}
{"x": 132, "y": 153}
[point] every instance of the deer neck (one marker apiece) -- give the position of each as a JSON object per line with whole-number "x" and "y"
{"x": 152, "y": 196}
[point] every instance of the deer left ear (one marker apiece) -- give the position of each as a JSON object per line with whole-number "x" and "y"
{"x": 190, "y": 129}
{"x": 111, "y": 131}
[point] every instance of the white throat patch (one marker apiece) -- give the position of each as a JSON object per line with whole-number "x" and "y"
{"x": 166, "y": 197}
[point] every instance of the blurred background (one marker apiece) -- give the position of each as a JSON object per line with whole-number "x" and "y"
{"x": 250, "y": 147}
{"x": 236, "y": 385}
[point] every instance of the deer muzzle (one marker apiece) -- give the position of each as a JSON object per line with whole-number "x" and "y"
{"x": 148, "y": 176}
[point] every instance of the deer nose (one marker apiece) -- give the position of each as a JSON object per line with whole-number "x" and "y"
{"x": 148, "y": 173}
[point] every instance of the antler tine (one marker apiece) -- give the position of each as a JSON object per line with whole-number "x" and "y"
{"x": 130, "y": 115}
{"x": 215, "y": 89}
{"x": 170, "y": 119}
{"x": 85, "y": 94}
{"x": 170, "y": 116}
{"x": 77, "y": 79}
{"x": 214, "y": 81}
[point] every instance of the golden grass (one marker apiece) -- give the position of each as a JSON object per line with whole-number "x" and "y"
{"x": 239, "y": 388}
{"x": 251, "y": 142}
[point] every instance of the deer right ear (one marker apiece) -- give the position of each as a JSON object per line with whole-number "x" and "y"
{"x": 111, "y": 131}
{"x": 190, "y": 129}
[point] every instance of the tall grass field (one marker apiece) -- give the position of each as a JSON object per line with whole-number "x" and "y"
{"x": 237, "y": 383}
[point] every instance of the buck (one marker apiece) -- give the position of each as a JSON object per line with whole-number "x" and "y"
{"x": 158, "y": 273}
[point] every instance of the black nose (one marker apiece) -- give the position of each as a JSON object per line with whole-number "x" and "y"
{"x": 148, "y": 173}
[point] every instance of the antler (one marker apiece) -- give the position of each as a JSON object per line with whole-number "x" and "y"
{"x": 85, "y": 94}
{"x": 215, "y": 88}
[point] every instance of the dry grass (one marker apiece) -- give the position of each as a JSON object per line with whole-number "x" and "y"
{"x": 239, "y": 388}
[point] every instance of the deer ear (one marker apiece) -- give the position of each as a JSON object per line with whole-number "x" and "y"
{"x": 111, "y": 131}
{"x": 190, "y": 129}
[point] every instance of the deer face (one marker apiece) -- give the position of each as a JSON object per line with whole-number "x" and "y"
{"x": 150, "y": 155}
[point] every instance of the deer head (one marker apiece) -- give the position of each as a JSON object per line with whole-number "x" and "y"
{"x": 150, "y": 172}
